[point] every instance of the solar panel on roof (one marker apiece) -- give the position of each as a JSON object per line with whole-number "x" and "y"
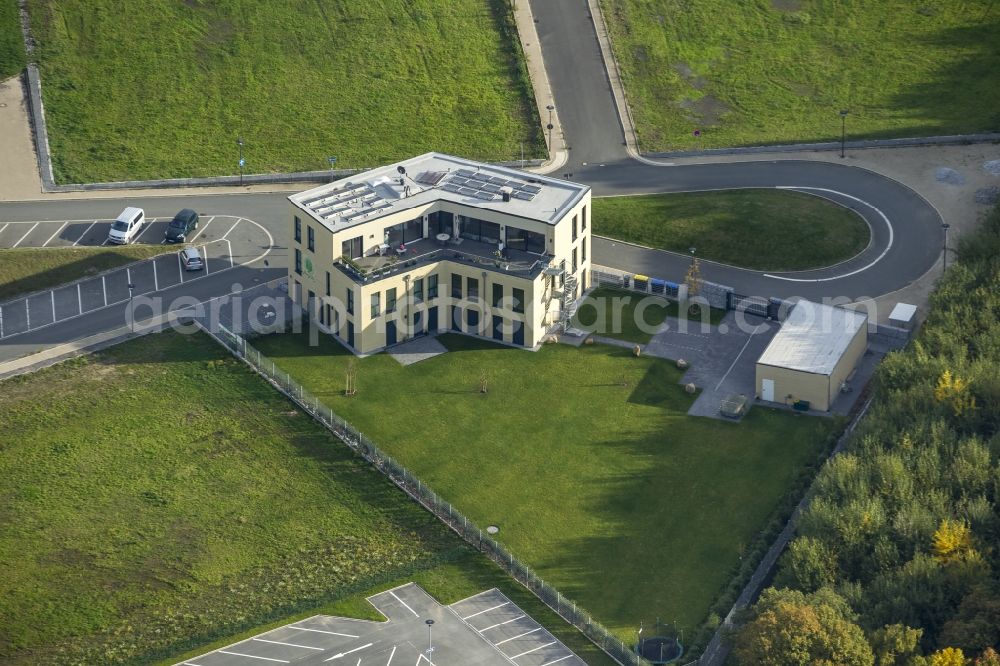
{"x": 465, "y": 172}
{"x": 498, "y": 181}
{"x": 534, "y": 189}
{"x": 480, "y": 176}
{"x": 486, "y": 196}
{"x": 491, "y": 188}
{"x": 449, "y": 187}
{"x": 430, "y": 177}
{"x": 467, "y": 192}
{"x": 523, "y": 195}
{"x": 458, "y": 181}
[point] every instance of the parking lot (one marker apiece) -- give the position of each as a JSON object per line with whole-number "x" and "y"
{"x": 417, "y": 630}
{"x": 227, "y": 243}
{"x": 94, "y": 233}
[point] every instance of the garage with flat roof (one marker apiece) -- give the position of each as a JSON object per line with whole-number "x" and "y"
{"x": 812, "y": 356}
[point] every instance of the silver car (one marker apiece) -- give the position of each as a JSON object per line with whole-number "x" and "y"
{"x": 191, "y": 259}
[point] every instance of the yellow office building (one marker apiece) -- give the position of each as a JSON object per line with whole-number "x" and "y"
{"x": 439, "y": 243}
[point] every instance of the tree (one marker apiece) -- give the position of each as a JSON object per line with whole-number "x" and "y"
{"x": 808, "y": 565}
{"x": 988, "y": 658}
{"x": 948, "y": 657}
{"x": 952, "y": 541}
{"x": 954, "y": 391}
{"x": 789, "y": 628}
{"x": 895, "y": 644}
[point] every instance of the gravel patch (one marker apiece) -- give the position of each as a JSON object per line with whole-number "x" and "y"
{"x": 992, "y": 167}
{"x": 988, "y": 195}
{"x": 949, "y": 176}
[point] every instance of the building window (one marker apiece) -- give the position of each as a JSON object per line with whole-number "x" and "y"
{"x": 350, "y": 301}
{"x": 472, "y": 320}
{"x": 478, "y": 230}
{"x": 390, "y": 300}
{"x": 456, "y": 286}
{"x": 376, "y": 303}
{"x": 518, "y": 300}
{"x": 526, "y": 241}
{"x": 583, "y": 227}
{"x": 311, "y": 239}
{"x": 497, "y": 295}
{"x": 432, "y": 286}
{"x": 574, "y": 227}
{"x": 322, "y": 315}
{"x": 583, "y": 251}
{"x": 472, "y": 286}
{"x": 574, "y": 261}
{"x": 351, "y": 248}
{"x": 418, "y": 290}
{"x": 328, "y": 283}
{"x": 298, "y": 261}
{"x": 298, "y": 229}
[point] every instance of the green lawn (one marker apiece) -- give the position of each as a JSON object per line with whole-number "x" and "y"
{"x": 584, "y": 458}
{"x": 779, "y": 71}
{"x": 627, "y": 315}
{"x": 25, "y": 270}
{"x": 158, "y": 88}
{"x": 158, "y": 496}
{"x": 767, "y": 230}
{"x": 11, "y": 42}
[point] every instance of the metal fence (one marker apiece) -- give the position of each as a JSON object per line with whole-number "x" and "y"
{"x": 421, "y": 492}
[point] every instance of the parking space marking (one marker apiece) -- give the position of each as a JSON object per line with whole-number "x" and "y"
{"x": 201, "y": 230}
{"x": 391, "y": 655}
{"x": 7, "y": 224}
{"x": 556, "y": 661}
{"x": 238, "y": 220}
{"x": 104, "y": 288}
{"x": 321, "y": 631}
{"x": 204, "y": 258}
{"x": 469, "y": 617}
{"x": 404, "y": 603}
{"x": 340, "y": 655}
{"x": 55, "y": 234}
{"x": 79, "y": 297}
{"x": 25, "y": 235}
{"x": 84, "y": 234}
{"x": 500, "y": 624}
{"x": 52, "y": 296}
{"x": 536, "y": 649}
{"x": 149, "y": 225}
{"x": 253, "y": 656}
{"x": 304, "y": 647}
{"x": 507, "y": 640}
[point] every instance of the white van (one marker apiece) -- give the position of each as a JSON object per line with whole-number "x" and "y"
{"x": 125, "y": 229}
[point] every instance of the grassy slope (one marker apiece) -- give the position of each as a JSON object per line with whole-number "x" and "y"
{"x": 757, "y": 229}
{"x": 902, "y": 68}
{"x": 11, "y": 42}
{"x": 162, "y": 88}
{"x": 160, "y": 495}
{"x": 610, "y": 491}
{"x": 597, "y": 313}
{"x": 30, "y": 269}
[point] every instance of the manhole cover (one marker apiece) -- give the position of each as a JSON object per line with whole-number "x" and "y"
{"x": 492, "y": 529}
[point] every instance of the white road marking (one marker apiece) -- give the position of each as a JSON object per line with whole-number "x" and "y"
{"x": 180, "y": 268}
{"x": 52, "y": 294}
{"x": 507, "y": 640}
{"x": 344, "y": 654}
{"x": 104, "y": 288}
{"x": 556, "y": 661}
{"x": 7, "y": 224}
{"x": 321, "y": 631}
{"x": 253, "y": 656}
{"x": 1, "y": 321}
{"x": 25, "y": 235}
{"x": 304, "y": 647}
{"x": 500, "y": 624}
{"x": 84, "y": 233}
{"x": 733, "y": 364}
{"x": 201, "y": 229}
{"x": 238, "y": 220}
{"x": 425, "y": 658}
{"x": 404, "y": 603}
{"x": 79, "y": 298}
{"x": 533, "y": 650}
{"x": 27, "y": 312}
{"x": 469, "y": 617}
{"x": 55, "y": 234}
{"x": 204, "y": 258}
{"x": 391, "y": 655}
{"x": 229, "y": 244}
{"x": 854, "y": 272}
{"x": 156, "y": 280}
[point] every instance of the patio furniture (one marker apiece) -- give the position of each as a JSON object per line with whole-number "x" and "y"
{"x": 442, "y": 239}
{"x": 383, "y": 249}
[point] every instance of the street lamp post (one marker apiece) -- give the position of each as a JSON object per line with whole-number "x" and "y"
{"x": 550, "y": 125}
{"x": 239, "y": 142}
{"x": 843, "y": 131}
{"x": 944, "y": 255}
{"x": 430, "y": 643}
{"x": 131, "y": 307}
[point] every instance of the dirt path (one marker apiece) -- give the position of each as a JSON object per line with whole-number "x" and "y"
{"x": 18, "y": 169}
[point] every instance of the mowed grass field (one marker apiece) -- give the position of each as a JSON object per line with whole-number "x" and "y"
{"x": 627, "y": 315}
{"x": 768, "y": 230}
{"x": 160, "y": 88}
{"x": 779, "y": 71}
{"x": 584, "y": 458}
{"x": 12, "y": 58}
{"x": 26, "y": 270}
{"x": 158, "y": 495}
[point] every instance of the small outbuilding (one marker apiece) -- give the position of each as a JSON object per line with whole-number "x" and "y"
{"x": 812, "y": 356}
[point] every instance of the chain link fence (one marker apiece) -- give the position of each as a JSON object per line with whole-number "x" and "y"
{"x": 421, "y": 492}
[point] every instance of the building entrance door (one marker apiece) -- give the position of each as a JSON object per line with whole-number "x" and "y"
{"x": 767, "y": 390}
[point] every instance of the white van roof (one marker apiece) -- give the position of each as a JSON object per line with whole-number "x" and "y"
{"x": 129, "y": 213}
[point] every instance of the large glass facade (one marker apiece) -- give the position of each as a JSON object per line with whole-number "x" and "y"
{"x": 478, "y": 230}
{"x": 351, "y": 248}
{"x": 526, "y": 241}
{"x": 405, "y": 232}
{"x": 440, "y": 222}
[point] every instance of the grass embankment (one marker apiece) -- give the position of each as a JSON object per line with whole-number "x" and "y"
{"x": 627, "y": 315}
{"x": 31, "y": 269}
{"x": 779, "y": 71}
{"x": 766, "y": 230}
{"x": 367, "y": 82}
{"x": 12, "y": 58}
{"x": 584, "y": 458}
{"x": 158, "y": 495}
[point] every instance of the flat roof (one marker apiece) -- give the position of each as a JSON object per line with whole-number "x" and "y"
{"x": 813, "y": 338}
{"x": 432, "y": 177}
{"x": 903, "y": 312}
